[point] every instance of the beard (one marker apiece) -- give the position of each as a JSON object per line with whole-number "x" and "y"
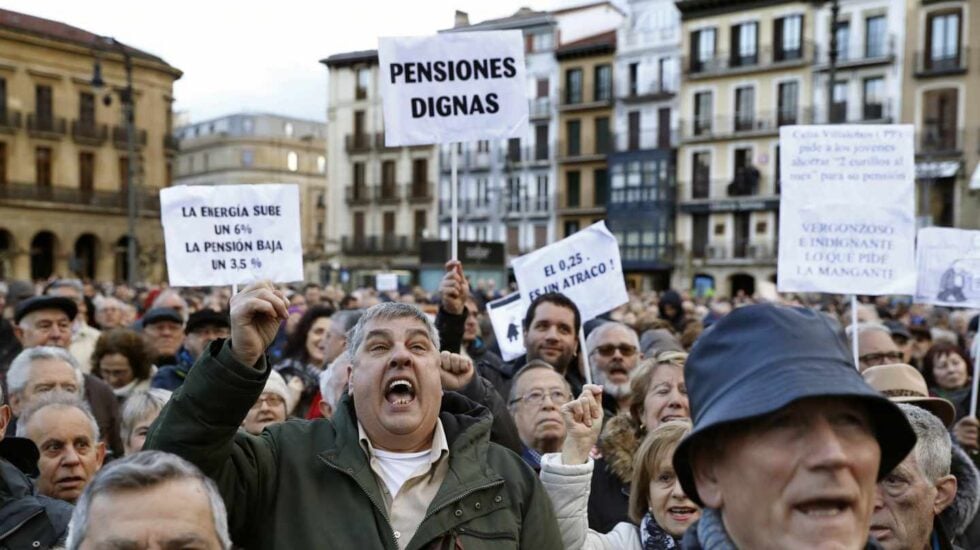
{"x": 616, "y": 391}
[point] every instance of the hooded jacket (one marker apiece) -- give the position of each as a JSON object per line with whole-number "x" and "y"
{"x": 672, "y": 298}
{"x": 308, "y": 484}
{"x": 961, "y": 519}
{"x": 609, "y": 494}
{"x": 27, "y": 519}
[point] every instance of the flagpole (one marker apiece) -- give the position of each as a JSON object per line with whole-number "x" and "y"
{"x": 854, "y": 331}
{"x": 454, "y": 199}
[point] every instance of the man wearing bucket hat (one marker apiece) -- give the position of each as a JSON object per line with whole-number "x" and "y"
{"x": 788, "y": 441}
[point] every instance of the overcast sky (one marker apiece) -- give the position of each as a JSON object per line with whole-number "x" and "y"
{"x": 260, "y": 56}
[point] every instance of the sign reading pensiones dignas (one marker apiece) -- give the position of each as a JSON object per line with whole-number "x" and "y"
{"x": 847, "y": 209}
{"x": 458, "y": 86}
{"x": 232, "y": 234}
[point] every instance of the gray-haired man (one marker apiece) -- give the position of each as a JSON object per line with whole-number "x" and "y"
{"x": 150, "y": 500}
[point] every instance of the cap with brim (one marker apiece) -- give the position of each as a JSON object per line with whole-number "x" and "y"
{"x": 903, "y": 384}
{"x": 897, "y": 328}
{"x": 206, "y": 317}
{"x": 762, "y": 358}
{"x": 38, "y": 303}
{"x": 160, "y": 314}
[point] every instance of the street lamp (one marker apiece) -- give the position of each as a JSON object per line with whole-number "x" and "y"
{"x": 128, "y": 108}
{"x": 832, "y": 58}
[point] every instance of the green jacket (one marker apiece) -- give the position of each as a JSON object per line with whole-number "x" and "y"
{"x": 308, "y": 484}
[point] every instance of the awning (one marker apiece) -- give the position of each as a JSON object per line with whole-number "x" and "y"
{"x": 975, "y": 179}
{"x": 933, "y": 170}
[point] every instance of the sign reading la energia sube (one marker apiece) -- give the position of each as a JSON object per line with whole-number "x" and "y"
{"x": 457, "y": 86}
{"x": 847, "y": 209}
{"x": 232, "y": 234}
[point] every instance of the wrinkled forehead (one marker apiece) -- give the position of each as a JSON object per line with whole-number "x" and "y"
{"x": 51, "y": 315}
{"x": 540, "y": 378}
{"x": 617, "y": 334}
{"x": 399, "y": 328}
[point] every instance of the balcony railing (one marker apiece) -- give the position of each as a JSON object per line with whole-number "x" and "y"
{"x": 844, "y": 113}
{"x": 644, "y": 140}
{"x": 171, "y": 143}
{"x": 527, "y": 205}
{"x": 650, "y": 90}
{"x": 387, "y": 193}
{"x": 119, "y": 137}
{"x": 527, "y": 155}
{"x": 467, "y": 207}
{"x": 762, "y": 59}
{"x": 586, "y": 97}
{"x": 9, "y": 120}
{"x": 46, "y": 126}
{"x": 724, "y": 188}
{"x": 759, "y": 122}
{"x": 935, "y": 140}
{"x": 585, "y": 149}
{"x": 358, "y": 195}
{"x": 117, "y": 200}
{"x": 88, "y": 132}
{"x": 641, "y": 196}
{"x": 418, "y": 191}
{"x": 929, "y": 63}
{"x": 358, "y": 143}
{"x": 882, "y": 51}
{"x": 378, "y": 244}
{"x": 539, "y": 107}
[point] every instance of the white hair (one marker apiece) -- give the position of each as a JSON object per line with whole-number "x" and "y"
{"x": 21, "y": 367}
{"x": 861, "y": 328}
{"x": 332, "y": 379}
{"x": 389, "y": 311}
{"x": 933, "y": 447}
{"x": 139, "y": 405}
{"x": 57, "y": 400}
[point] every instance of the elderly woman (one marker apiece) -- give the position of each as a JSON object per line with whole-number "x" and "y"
{"x": 657, "y": 395}
{"x": 123, "y": 360}
{"x": 658, "y": 507}
{"x": 139, "y": 411}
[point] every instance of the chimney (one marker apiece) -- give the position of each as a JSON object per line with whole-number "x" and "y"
{"x": 462, "y": 19}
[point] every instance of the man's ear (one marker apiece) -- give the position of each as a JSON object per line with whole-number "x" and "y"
{"x": 4, "y": 418}
{"x": 945, "y": 493}
{"x": 325, "y": 410}
{"x": 15, "y": 402}
{"x": 705, "y": 471}
{"x": 100, "y": 453}
{"x": 350, "y": 379}
{"x": 19, "y": 333}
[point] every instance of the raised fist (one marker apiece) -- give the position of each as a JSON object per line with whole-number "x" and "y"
{"x": 583, "y": 422}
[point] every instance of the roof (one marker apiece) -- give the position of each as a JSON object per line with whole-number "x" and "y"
{"x": 587, "y": 6}
{"x": 55, "y": 30}
{"x": 590, "y": 45}
{"x": 704, "y": 8}
{"x": 521, "y": 18}
{"x": 347, "y": 59}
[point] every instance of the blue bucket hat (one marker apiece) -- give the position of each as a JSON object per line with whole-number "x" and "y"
{"x": 761, "y": 358}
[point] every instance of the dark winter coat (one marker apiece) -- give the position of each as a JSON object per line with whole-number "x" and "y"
{"x": 610, "y": 492}
{"x": 27, "y": 519}
{"x": 488, "y": 364}
{"x": 961, "y": 518}
{"x": 304, "y": 484}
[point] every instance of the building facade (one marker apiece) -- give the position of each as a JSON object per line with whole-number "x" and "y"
{"x": 747, "y": 71}
{"x": 63, "y": 153}
{"x": 252, "y": 148}
{"x": 585, "y": 132}
{"x": 943, "y": 73}
{"x": 642, "y": 165}
{"x": 381, "y": 201}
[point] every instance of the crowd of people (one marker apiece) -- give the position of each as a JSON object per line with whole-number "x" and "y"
{"x": 310, "y": 417}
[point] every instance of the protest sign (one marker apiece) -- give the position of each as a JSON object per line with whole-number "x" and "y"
{"x": 507, "y": 317}
{"x": 231, "y": 234}
{"x": 585, "y": 267}
{"x": 385, "y": 282}
{"x": 462, "y": 86}
{"x": 948, "y": 264}
{"x": 847, "y": 210}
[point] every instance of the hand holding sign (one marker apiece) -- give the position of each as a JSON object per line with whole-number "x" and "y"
{"x": 256, "y": 313}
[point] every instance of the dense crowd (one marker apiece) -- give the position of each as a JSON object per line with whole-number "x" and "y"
{"x": 313, "y": 417}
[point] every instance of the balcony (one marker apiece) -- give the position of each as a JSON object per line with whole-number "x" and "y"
{"x": 738, "y": 252}
{"x": 641, "y": 197}
{"x": 418, "y": 192}
{"x": 170, "y": 143}
{"x": 585, "y": 98}
{"x": 386, "y": 193}
{"x": 929, "y": 64}
{"x": 764, "y": 59}
{"x": 523, "y": 204}
{"x": 650, "y": 90}
{"x": 876, "y": 53}
{"x": 358, "y": 143}
{"x": 120, "y": 139}
{"x": 646, "y": 140}
{"x": 638, "y": 256}
{"x": 9, "y": 121}
{"x": 755, "y": 124}
{"x": 378, "y": 244}
{"x": 469, "y": 208}
{"x": 87, "y": 132}
{"x": 738, "y": 196}
{"x": 585, "y": 150}
{"x": 358, "y": 195}
{"x": 868, "y": 113}
{"x": 46, "y": 126}
{"x": 520, "y": 156}
{"x": 149, "y": 200}
{"x": 539, "y": 108}
{"x": 934, "y": 140}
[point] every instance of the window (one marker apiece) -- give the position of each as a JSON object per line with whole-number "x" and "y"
{"x": 3, "y": 101}
{"x": 3, "y": 163}
{"x": 540, "y": 142}
{"x": 542, "y": 87}
{"x": 248, "y": 157}
{"x": 573, "y": 86}
{"x": 86, "y": 171}
{"x": 600, "y": 187}
{"x": 602, "y": 135}
{"x": 843, "y": 40}
{"x": 634, "y": 84}
{"x": 388, "y": 224}
{"x": 633, "y": 130}
{"x": 388, "y": 173}
{"x": 542, "y": 41}
{"x": 514, "y": 150}
{"x": 292, "y": 161}
{"x": 703, "y": 49}
{"x": 419, "y": 230}
{"x": 362, "y": 83}
{"x": 571, "y": 227}
{"x": 321, "y": 164}
{"x": 573, "y": 131}
{"x": 838, "y": 108}
{"x": 573, "y": 188}
{"x": 42, "y": 108}
{"x": 603, "y": 83}
{"x": 874, "y": 98}
{"x": 943, "y": 40}
{"x": 702, "y": 113}
{"x": 86, "y": 110}
{"x": 788, "y": 38}
{"x": 540, "y": 236}
{"x": 745, "y": 44}
{"x": 42, "y": 166}
{"x": 701, "y": 175}
{"x": 542, "y": 193}
{"x": 513, "y": 240}
{"x": 699, "y": 235}
{"x": 875, "y": 37}
{"x": 483, "y": 146}
{"x": 358, "y": 229}
{"x": 939, "y": 125}
{"x": 287, "y": 129}
{"x": 358, "y": 168}
{"x": 206, "y": 162}
{"x": 744, "y": 108}
{"x": 789, "y": 93}
{"x": 247, "y": 126}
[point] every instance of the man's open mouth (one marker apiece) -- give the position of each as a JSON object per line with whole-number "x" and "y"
{"x": 822, "y": 508}
{"x": 400, "y": 391}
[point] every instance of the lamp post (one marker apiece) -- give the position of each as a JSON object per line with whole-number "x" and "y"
{"x": 132, "y": 164}
{"x": 832, "y": 58}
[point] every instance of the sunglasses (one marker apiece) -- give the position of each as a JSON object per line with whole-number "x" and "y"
{"x": 607, "y": 350}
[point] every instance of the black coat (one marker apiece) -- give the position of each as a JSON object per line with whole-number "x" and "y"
{"x": 27, "y": 519}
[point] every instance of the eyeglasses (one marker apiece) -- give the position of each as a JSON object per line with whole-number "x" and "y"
{"x": 883, "y": 358}
{"x": 271, "y": 400}
{"x": 607, "y": 350}
{"x": 535, "y": 398}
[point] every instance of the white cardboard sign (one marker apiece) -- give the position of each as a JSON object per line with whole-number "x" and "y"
{"x": 507, "y": 317}
{"x": 461, "y": 86}
{"x": 948, "y": 262}
{"x": 385, "y": 282}
{"x": 586, "y": 267}
{"x": 232, "y": 234}
{"x": 847, "y": 209}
